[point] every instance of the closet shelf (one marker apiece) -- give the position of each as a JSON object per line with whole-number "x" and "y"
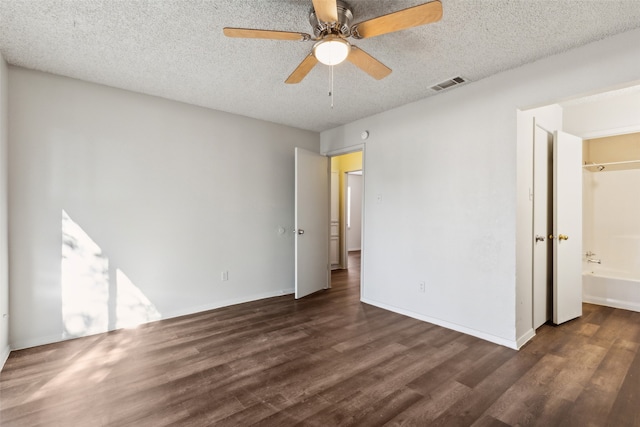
{"x": 626, "y": 162}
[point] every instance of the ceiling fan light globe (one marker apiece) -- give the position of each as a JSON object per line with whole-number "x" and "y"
{"x": 331, "y": 51}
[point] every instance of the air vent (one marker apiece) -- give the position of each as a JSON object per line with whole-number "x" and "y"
{"x": 448, "y": 83}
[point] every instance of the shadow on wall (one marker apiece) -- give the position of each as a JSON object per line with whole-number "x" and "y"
{"x": 90, "y": 303}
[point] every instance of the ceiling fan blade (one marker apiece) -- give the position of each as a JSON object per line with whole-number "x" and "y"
{"x": 303, "y": 69}
{"x": 400, "y": 20}
{"x": 368, "y": 63}
{"x": 248, "y": 33}
{"x": 326, "y": 10}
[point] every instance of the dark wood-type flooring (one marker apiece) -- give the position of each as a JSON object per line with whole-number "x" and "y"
{"x": 328, "y": 360}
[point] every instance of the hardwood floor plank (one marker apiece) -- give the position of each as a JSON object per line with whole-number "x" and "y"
{"x": 424, "y": 411}
{"x": 553, "y": 412}
{"x": 249, "y": 416}
{"x": 469, "y": 409}
{"x": 397, "y": 372}
{"x": 489, "y": 421}
{"x": 298, "y": 412}
{"x": 457, "y": 365}
{"x": 524, "y": 400}
{"x": 484, "y": 366}
{"x": 626, "y": 408}
{"x": 593, "y": 406}
{"x": 614, "y": 327}
{"x": 571, "y": 381}
{"x": 383, "y": 410}
{"x": 324, "y": 376}
{"x": 393, "y": 333}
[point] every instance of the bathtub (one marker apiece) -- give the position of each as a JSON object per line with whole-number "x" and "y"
{"x": 613, "y": 288}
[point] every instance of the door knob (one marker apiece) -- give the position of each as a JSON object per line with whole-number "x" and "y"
{"x": 539, "y": 238}
{"x": 550, "y": 236}
{"x": 563, "y": 237}
{"x": 300, "y": 231}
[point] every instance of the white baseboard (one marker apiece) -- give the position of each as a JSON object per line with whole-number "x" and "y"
{"x": 525, "y": 338}
{"x": 610, "y": 302}
{"x": 227, "y": 303}
{"x": 4, "y": 355}
{"x": 459, "y": 328}
{"x": 34, "y": 342}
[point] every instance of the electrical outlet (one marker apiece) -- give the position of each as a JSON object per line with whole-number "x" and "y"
{"x": 224, "y": 276}
{"x": 422, "y": 287}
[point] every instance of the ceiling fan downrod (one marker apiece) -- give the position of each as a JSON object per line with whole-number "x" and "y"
{"x": 341, "y": 27}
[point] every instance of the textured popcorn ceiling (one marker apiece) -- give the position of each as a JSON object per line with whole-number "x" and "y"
{"x": 176, "y": 49}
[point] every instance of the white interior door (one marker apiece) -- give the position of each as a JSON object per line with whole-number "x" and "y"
{"x": 542, "y": 226}
{"x": 311, "y": 222}
{"x": 567, "y": 227}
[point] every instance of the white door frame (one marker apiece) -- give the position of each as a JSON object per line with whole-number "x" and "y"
{"x": 550, "y": 118}
{"x": 542, "y": 276}
{"x": 340, "y": 152}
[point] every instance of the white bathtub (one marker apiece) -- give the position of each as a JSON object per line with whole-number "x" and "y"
{"x": 613, "y": 288}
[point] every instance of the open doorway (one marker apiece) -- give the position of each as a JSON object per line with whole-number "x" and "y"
{"x": 346, "y": 219}
{"x": 601, "y": 115}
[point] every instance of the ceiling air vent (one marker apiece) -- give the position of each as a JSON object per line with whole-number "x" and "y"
{"x": 448, "y": 83}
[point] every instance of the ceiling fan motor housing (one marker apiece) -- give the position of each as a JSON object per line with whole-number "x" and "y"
{"x": 341, "y": 28}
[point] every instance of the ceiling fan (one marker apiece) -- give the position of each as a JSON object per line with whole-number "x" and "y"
{"x": 331, "y": 22}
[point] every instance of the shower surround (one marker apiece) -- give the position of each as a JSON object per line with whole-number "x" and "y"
{"x": 611, "y": 237}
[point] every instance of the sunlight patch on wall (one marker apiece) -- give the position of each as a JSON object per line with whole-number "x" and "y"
{"x": 90, "y": 304}
{"x": 85, "y": 282}
{"x": 133, "y": 307}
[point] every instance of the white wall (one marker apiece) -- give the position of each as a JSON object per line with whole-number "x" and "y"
{"x": 172, "y": 194}
{"x": 354, "y": 233}
{"x": 4, "y": 256}
{"x": 440, "y": 200}
{"x": 614, "y": 113}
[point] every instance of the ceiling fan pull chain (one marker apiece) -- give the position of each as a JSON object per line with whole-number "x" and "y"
{"x": 331, "y": 91}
